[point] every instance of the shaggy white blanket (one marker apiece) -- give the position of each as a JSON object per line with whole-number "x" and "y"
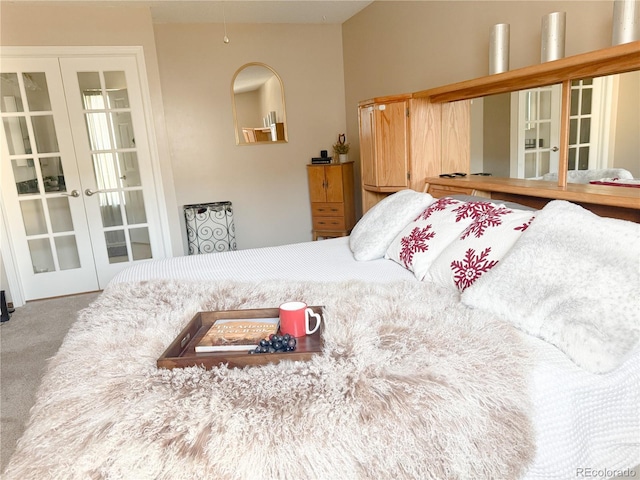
{"x": 411, "y": 384}
{"x": 572, "y": 279}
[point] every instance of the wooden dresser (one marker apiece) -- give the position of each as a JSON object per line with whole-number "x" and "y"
{"x": 332, "y": 199}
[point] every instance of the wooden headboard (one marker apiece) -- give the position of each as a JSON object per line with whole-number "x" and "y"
{"x": 434, "y": 138}
{"x": 606, "y": 201}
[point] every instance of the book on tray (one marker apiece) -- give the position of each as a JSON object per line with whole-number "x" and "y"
{"x": 236, "y": 334}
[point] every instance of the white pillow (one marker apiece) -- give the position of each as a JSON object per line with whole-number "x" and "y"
{"x": 372, "y": 235}
{"x": 572, "y": 279}
{"x": 493, "y": 231}
{"x": 420, "y": 242}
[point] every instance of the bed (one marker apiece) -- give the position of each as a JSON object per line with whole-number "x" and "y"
{"x": 464, "y": 338}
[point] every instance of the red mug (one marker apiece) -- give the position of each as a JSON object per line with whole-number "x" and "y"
{"x": 294, "y": 319}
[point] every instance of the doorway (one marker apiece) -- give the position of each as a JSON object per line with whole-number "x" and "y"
{"x": 537, "y": 132}
{"x": 78, "y": 196}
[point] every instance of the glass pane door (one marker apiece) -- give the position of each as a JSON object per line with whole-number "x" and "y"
{"x": 540, "y": 108}
{"x": 111, "y": 135}
{"x": 107, "y": 117}
{"x": 40, "y": 182}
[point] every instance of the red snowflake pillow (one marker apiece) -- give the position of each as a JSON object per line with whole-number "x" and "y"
{"x": 482, "y": 244}
{"x": 420, "y": 242}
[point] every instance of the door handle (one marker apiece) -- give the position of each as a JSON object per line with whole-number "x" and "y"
{"x": 554, "y": 149}
{"x": 88, "y": 192}
{"x": 72, "y": 193}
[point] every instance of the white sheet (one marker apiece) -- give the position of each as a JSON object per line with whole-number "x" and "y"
{"x": 325, "y": 260}
{"x": 582, "y": 421}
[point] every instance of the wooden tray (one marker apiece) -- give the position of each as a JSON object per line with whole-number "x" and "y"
{"x": 181, "y": 353}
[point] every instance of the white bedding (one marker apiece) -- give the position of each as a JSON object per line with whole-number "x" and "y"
{"x": 582, "y": 420}
{"x": 326, "y": 260}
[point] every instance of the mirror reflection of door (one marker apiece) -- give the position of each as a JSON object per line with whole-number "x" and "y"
{"x": 604, "y": 121}
{"x": 538, "y": 132}
{"x": 517, "y": 135}
{"x": 258, "y": 105}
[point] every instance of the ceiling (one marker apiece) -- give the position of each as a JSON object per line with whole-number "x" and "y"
{"x": 234, "y": 11}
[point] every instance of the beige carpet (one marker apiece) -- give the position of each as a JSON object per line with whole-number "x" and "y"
{"x": 33, "y": 335}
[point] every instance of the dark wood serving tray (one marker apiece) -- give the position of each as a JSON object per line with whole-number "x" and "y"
{"x": 181, "y": 353}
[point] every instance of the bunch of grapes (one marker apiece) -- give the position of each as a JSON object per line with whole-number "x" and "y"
{"x": 276, "y": 343}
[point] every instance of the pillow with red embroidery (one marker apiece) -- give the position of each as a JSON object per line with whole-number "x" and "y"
{"x": 572, "y": 279}
{"x": 492, "y": 232}
{"x": 422, "y": 240}
{"x": 373, "y": 233}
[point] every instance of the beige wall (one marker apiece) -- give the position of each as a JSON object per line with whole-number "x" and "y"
{"x": 401, "y": 47}
{"x": 271, "y": 95}
{"x": 266, "y": 183}
{"x": 247, "y": 109}
{"x": 626, "y": 151}
{"x": 190, "y": 72}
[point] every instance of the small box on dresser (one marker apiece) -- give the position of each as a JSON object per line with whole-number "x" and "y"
{"x": 332, "y": 199}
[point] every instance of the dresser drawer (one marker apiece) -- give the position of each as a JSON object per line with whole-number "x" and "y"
{"x": 438, "y": 191}
{"x": 328, "y": 223}
{"x": 327, "y": 209}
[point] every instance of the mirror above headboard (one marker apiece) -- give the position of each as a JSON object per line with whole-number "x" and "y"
{"x": 441, "y": 132}
{"x": 565, "y": 73}
{"x": 516, "y": 134}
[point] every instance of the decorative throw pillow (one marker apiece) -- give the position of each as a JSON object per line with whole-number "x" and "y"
{"x": 372, "y": 235}
{"x": 572, "y": 279}
{"x": 493, "y": 231}
{"x": 421, "y": 241}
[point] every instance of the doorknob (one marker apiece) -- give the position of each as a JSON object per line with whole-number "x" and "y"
{"x": 88, "y": 192}
{"x": 554, "y": 149}
{"x": 73, "y": 193}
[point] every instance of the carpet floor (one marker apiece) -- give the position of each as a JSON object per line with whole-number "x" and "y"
{"x": 32, "y": 335}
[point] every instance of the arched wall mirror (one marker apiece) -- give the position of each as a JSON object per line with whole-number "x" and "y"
{"x": 259, "y": 113}
{"x": 516, "y": 134}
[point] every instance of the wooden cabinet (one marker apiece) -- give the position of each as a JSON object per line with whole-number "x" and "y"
{"x": 332, "y": 200}
{"x": 404, "y": 140}
{"x": 274, "y": 133}
{"x": 384, "y": 145}
{"x": 436, "y": 190}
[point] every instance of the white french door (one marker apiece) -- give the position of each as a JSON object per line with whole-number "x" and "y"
{"x": 106, "y": 115}
{"x": 537, "y": 132}
{"x": 77, "y": 186}
{"x": 590, "y": 122}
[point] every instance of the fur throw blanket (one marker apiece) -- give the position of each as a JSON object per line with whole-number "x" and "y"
{"x": 412, "y": 384}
